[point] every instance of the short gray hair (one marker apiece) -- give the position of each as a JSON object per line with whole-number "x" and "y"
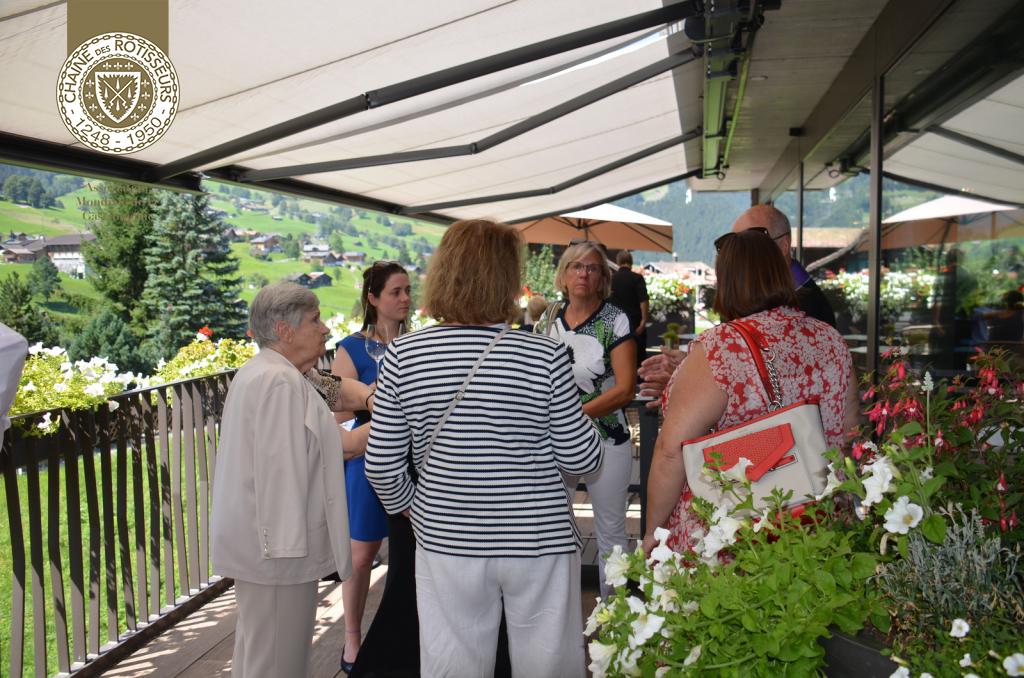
{"x": 281, "y": 301}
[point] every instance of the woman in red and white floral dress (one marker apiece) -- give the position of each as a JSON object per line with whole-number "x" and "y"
{"x": 718, "y": 386}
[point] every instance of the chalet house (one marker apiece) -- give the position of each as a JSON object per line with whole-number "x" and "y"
{"x": 354, "y": 257}
{"x": 65, "y": 251}
{"x": 319, "y": 279}
{"x": 265, "y": 244}
{"x": 334, "y": 259}
{"x": 310, "y": 280}
{"x": 315, "y": 253}
{"x": 696, "y": 272}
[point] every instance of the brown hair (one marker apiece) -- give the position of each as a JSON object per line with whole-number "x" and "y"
{"x": 474, "y": 276}
{"x": 575, "y": 253}
{"x": 752, "y": 276}
{"x": 375, "y": 279}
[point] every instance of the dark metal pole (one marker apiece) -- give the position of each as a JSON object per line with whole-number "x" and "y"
{"x": 800, "y": 215}
{"x": 875, "y": 228}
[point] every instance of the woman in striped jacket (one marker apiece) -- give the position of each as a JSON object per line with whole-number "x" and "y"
{"x": 492, "y": 519}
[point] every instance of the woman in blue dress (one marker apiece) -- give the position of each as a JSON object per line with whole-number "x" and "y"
{"x": 385, "y": 301}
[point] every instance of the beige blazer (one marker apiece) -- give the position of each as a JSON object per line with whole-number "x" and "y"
{"x": 279, "y": 508}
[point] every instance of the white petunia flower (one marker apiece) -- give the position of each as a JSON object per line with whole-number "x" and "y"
{"x": 874, "y": 487}
{"x": 690, "y": 606}
{"x": 628, "y": 662}
{"x": 763, "y": 522}
{"x": 644, "y": 627}
{"x": 94, "y": 389}
{"x": 661, "y": 554}
{"x": 661, "y": 535}
{"x": 600, "y": 657}
{"x": 35, "y": 348}
{"x": 738, "y": 472}
{"x": 960, "y": 628}
{"x": 902, "y": 516}
{"x": 965, "y": 661}
{"x": 971, "y": 675}
{"x": 46, "y": 421}
{"x": 29, "y": 386}
{"x": 113, "y": 405}
{"x": 901, "y": 672}
{"x": 60, "y": 387}
{"x": 693, "y": 656}
{"x": 615, "y": 567}
{"x": 927, "y": 675}
{"x": 662, "y": 671}
{"x": 1014, "y": 664}
{"x": 928, "y": 473}
{"x": 831, "y": 483}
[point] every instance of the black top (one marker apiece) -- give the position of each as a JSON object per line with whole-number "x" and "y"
{"x": 629, "y": 290}
{"x": 814, "y": 303}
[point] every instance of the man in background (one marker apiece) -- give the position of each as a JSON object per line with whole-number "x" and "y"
{"x": 629, "y": 292}
{"x": 656, "y": 370}
{"x": 13, "y": 349}
{"x": 810, "y": 297}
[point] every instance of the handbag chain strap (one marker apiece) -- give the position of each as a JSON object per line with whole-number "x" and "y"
{"x": 458, "y": 395}
{"x": 764, "y": 360}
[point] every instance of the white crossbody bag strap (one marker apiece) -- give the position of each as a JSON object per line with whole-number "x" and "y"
{"x": 458, "y": 395}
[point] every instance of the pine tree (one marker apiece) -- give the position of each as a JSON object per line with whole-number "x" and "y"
{"x": 193, "y": 276}
{"x": 108, "y": 336}
{"x": 43, "y": 279}
{"x": 116, "y": 261}
{"x": 19, "y": 313}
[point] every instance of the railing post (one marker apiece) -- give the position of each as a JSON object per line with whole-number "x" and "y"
{"x": 72, "y": 450}
{"x": 17, "y": 616}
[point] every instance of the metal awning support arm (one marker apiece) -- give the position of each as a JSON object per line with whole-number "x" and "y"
{"x": 533, "y": 122}
{"x": 558, "y": 188}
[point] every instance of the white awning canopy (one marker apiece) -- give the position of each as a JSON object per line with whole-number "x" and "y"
{"x": 516, "y": 110}
{"x": 945, "y": 207}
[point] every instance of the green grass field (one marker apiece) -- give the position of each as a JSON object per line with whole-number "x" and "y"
{"x": 339, "y": 298}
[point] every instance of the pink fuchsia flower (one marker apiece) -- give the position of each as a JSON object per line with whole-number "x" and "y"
{"x": 1001, "y": 486}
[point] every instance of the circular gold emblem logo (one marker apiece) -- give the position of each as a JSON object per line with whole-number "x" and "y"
{"x": 117, "y": 93}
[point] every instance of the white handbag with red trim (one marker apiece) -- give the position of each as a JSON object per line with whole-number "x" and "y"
{"x": 785, "y": 446}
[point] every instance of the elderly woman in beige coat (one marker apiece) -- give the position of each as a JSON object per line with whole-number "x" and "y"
{"x": 279, "y": 519}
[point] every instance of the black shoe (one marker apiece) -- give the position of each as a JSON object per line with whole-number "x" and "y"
{"x": 346, "y": 666}
{"x": 377, "y": 562}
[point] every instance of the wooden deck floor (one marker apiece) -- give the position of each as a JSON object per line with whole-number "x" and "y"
{"x": 201, "y": 645}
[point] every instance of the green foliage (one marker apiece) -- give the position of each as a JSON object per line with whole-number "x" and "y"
{"x": 291, "y": 248}
{"x": 108, "y": 336}
{"x": 203, "y": 357}
{"x": 969, "y": 575}
{"x": 50, "y": 380}
{"x": 539, "y": 273}
{"x": 44, "y": 278}
{"x": 760, "y": 614}
{"x": 18, "y": 312}
{"x": 26, "y": 189}
{"x": 193, "y": 275}
{"x": 336, "y": 242}
{"x": 116, "y": 261}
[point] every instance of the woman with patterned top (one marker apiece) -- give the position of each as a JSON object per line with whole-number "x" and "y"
{"x": 718, "y": 386}
{"x": 603, "y": 355}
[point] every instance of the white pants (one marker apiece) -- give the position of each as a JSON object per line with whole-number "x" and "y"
{"x": 608, "y": 488}
{"x": 274, "y": 631}
{"x": 460, "y": 601}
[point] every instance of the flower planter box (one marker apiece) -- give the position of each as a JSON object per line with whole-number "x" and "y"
{"x": 857, "y": 656}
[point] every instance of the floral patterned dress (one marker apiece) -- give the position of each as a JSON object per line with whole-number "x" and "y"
{"x": 812, "y": 361}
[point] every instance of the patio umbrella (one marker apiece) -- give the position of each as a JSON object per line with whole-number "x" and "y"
{"x": 615, "y": 227}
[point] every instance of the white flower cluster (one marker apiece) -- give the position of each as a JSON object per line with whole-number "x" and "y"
{"x": 646, "y": 619}
{"x": 668, "y": 293}
{"x": 899, "y": 289}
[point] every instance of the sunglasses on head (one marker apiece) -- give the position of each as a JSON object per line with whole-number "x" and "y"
{"x": 722, "y": 239}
